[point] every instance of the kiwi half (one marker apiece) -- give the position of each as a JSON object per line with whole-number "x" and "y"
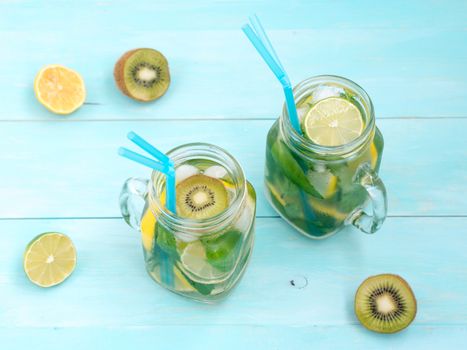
{"x": 201, "y": 197}
{"x": 142, "y": 74}
{"x": 385, "y": 303}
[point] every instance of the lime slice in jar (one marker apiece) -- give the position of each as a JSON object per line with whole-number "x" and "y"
{"x": 195, "y": 263}
{"x": 333, "y": 121}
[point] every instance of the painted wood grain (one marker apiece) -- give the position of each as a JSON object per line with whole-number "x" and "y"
{"x": 111, "y": 15}
{"x": 66, "y": 169}
{"x": 409, "y": 55}
{"x": 410, "y": 66}
{"x": 110, "y": 288}
{"x": 234, "y": 338}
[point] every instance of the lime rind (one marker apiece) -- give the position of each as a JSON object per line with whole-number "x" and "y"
{"x": 49, "y": 259}
{"x": 333, "y": 121}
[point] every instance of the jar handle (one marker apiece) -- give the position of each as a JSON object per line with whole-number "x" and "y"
{"x": 132, "y": 200}
{"x": 370, "y": 181}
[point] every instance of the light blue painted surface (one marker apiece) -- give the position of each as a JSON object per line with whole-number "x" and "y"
{"x": 411, "y": 56}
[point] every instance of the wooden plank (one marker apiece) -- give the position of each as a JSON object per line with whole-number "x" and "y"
{"x": 71, "y": 169}
{"x": 106, "y": 15}
{"x": 402, "y": 63}
{"x": 110, "y": 288}
{"x": 233, "y": 338}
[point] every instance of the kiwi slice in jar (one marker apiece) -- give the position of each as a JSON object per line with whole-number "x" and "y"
{"x": 201, "y": 197}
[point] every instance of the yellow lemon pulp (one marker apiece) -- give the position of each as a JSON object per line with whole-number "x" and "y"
{"x": 148, "y": 229}
{"x": 333, "y": 121}
{"x": 49, "y": 259}
{"x": 374, "y": 155}
{"x": 59, "y": 89}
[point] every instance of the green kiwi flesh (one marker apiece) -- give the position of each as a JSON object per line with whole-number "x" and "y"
{"x": 142, "y": 74}
{"x": 201, "y": 197}
{"x": 385, "y": 303}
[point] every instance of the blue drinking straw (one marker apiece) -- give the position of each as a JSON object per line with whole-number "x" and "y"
{"x": 166, "y": 166}
{"x": 138, "y": 158}
{"x": 163, "y": 164}
{"x": 262, "y": 44}
{"x": 138, "y": 140}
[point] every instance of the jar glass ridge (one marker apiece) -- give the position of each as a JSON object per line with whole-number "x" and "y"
{"x": 187, "y": 152}
{"x": 341, "y": 85}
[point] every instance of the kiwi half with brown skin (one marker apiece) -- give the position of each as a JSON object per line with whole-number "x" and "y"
{"x": 201, "y": 197}
{"x": 385, "y": 303}
{"x": 142, "y": 74}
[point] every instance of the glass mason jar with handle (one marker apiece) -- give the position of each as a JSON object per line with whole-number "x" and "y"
{"x": 194, "y": 253}
{"x": 326, "y": 177}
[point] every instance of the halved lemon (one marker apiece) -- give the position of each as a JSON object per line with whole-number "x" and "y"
{"x": 60, "y": 89}
{"x": 333, "y": 121}
{"x": 49, "y": 259}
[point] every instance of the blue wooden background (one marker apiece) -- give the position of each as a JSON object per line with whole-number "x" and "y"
{"x": 63, "y": 173}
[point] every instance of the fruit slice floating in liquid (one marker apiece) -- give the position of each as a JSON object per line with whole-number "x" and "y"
{"x": 333, "y": 121}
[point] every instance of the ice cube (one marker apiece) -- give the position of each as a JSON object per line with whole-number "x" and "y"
{"x": 324, "y": 91}
{"x": 216, "y": 171}
{"x": 243, "y": 223}
{"x": 302, "y": 111}
{"x": 184, "y": 172}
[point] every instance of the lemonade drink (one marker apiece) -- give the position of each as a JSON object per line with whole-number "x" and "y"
{"x": 319, "y": 181}
{"x": 202, "y": 251}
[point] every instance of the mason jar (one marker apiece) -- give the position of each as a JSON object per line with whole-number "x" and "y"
{"x": 320, "y": 189}
{"x": 202, "y": 259}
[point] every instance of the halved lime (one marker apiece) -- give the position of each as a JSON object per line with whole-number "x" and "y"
{"x": 49, "y": 259}
{"x": 333, "y": 121}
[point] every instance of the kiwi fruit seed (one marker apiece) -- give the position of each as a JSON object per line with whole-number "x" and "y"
{"x": 142, "y": 74}
{"x": 201, "y": 197}
{"x": 385, "y": 303}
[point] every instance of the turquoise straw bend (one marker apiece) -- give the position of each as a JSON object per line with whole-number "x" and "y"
{"x": 153, "y": 151}
{"x": 264, "y": 53}
{"x": 138, "y": 158}
{"x": 261, "y": 33}
{"x": 271, "y": 59}
{"x": 168, "y": 169}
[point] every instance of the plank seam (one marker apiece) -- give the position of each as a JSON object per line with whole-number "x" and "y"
{"x": 258, "y": 217}
{"x": 215, "y": 119}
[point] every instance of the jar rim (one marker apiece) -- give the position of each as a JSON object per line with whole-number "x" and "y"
{"x": 299, "y": 139}
{"x": 181, "y": 154}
